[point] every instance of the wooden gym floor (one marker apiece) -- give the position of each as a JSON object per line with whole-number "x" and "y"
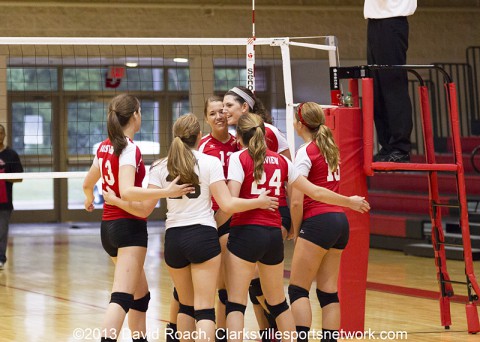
{"x": 56, "y": 285}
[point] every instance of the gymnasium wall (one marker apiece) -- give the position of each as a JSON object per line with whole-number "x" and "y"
{"x": 440, "y": 29}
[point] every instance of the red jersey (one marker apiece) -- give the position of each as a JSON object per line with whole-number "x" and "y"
{"x": 274, "y": 139}
{"x": 277, "y": 170}
{"x": 276, "y": 142}
{"x": 213, "y": 147}
{"x": 109, "y": 165}
{"x": 311, "y": 163}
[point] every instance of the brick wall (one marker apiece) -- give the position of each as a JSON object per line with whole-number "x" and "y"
{"x": 439, "y": 31}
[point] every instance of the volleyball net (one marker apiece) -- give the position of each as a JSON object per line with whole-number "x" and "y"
{"x": 55, "y": 92}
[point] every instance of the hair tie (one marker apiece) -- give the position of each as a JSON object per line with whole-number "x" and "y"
{"x": 301, "y": 117}
{"x": 244, "y": 95}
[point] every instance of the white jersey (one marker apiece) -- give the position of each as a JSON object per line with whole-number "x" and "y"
{"x": 381, "y": 9}
{"x": 195, "y": 208}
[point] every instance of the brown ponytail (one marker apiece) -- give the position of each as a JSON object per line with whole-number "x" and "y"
{"x": 181, "y": 160}
{"x": 120, "y": 109}
{"x": 311, "y": 115}
{"x": 251, "y": 130}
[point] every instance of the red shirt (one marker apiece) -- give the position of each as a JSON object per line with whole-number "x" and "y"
{"x": 213, "y": 147}
{"x": 274, "y": 139}
{"x": 277, "y": 170}
{"x": 109, "y": 165}
{"x": 311, "y": 163}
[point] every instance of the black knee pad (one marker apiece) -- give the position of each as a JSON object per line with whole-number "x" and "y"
{"x": 255, "y": 290}
{"x": 141, "y": 304}
{"x": 326, "y": 298}
{"x": 208, "y": 314}
{"x": 222, "y": 295}
{"x": 231, "y": 307}
{"x": 187, "y": 310}
{"x": 277, "y": 310}
{"x": 296, "y": 292}
{"x": 123, "y": 299}
{"x": 175, "y": 294}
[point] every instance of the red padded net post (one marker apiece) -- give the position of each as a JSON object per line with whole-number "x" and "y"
{"x": 346, "y": 124}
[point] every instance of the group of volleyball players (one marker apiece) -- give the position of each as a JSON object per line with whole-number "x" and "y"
{"x": 206, "y": 180}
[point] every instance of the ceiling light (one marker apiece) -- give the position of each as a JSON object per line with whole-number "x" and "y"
{"x": 131, "y": 64}
{"x": 180, "y": 60}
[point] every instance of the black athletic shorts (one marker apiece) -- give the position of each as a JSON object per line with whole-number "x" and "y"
{"x": 286, "y": 218}
{"x": 120, "y": 233}
{"x": 329, "y": 230}
{"x": 190, "y": 245}
{"x": 224, "y": 228}
{"x": 256, "y": 243}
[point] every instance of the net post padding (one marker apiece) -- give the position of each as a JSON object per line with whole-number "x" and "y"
{"x": 346, "y": 124}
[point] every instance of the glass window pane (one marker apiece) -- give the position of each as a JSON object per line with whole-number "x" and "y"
{"x": 179, "y": 79}
{"x": 227, "y": 78}
{"x": 179, "y": 108}
{"x": 32, "y": 128}
{"x": 31, "y": 194}
{"x": 150, "y": 130}
{"x": 32, "y": 79}
{"x": 75, "y": 191}
{"x": 86, "y": 126}
{"x": 146, "y": 79}
{"x": 84, "y": 78}
{"x": 90, "y": 79}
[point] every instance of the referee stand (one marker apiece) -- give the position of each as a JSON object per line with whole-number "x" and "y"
{"x": 432, "y": 168}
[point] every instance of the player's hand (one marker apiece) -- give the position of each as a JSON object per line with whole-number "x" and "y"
{"x": 359, "y": 204}
{"x": 109, "y": 195}
{"x": 175, "y": 190}
{"x": 89, "y": 206}
{"x": 267, "y": 202}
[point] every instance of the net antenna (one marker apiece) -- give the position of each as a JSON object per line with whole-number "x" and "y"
{"x": 251, "y": 55}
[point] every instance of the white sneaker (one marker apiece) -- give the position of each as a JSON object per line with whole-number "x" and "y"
{"x": 2, "y": 265}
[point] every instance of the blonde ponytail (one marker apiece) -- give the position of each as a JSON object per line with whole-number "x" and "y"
{"x": 311, "y": 115}
{"x": 181, "y": 161}
{"x": 251, "y": 130}
{"x": 325, "y": 142}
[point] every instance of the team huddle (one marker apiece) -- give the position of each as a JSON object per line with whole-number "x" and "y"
{"x": 231, "y": 203}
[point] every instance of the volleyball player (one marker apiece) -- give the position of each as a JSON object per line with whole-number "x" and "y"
{"x": 221, "y": 144}
{"x": 255, "y": 237}
{"x": 192, "y": 248}
{"x": 322, "y": 229}
{"x": 237, "y": 102}
{"x": 118, "y": 162}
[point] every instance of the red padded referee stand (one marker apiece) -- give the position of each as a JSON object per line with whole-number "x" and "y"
{"x": 346, "y": 124}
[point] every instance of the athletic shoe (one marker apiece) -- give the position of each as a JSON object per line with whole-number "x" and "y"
{"x": 380, "y": 155}
{"x": 395, "y": 156}
{"x": 2, "y": 265}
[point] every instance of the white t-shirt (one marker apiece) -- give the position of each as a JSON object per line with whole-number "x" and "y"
{"x": 197, "y": 207}
{"x": 381, "y": 9}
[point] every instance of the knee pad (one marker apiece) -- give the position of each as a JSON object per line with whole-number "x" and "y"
{"x": 222, "y": 295}
{"x": 326, "y": 298}
{"x": 277, "y": 310}
{"x": 255, "y": 290}
{"x": 141, "y": 304}
{"x": 123, "y": 299}
{"x": 208, "y": 314}
{"x": 231, "y": 307}
{"x": 175, "y": 294}
{"x": 187, "y": 310}
{"x": 296, "y": 292}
